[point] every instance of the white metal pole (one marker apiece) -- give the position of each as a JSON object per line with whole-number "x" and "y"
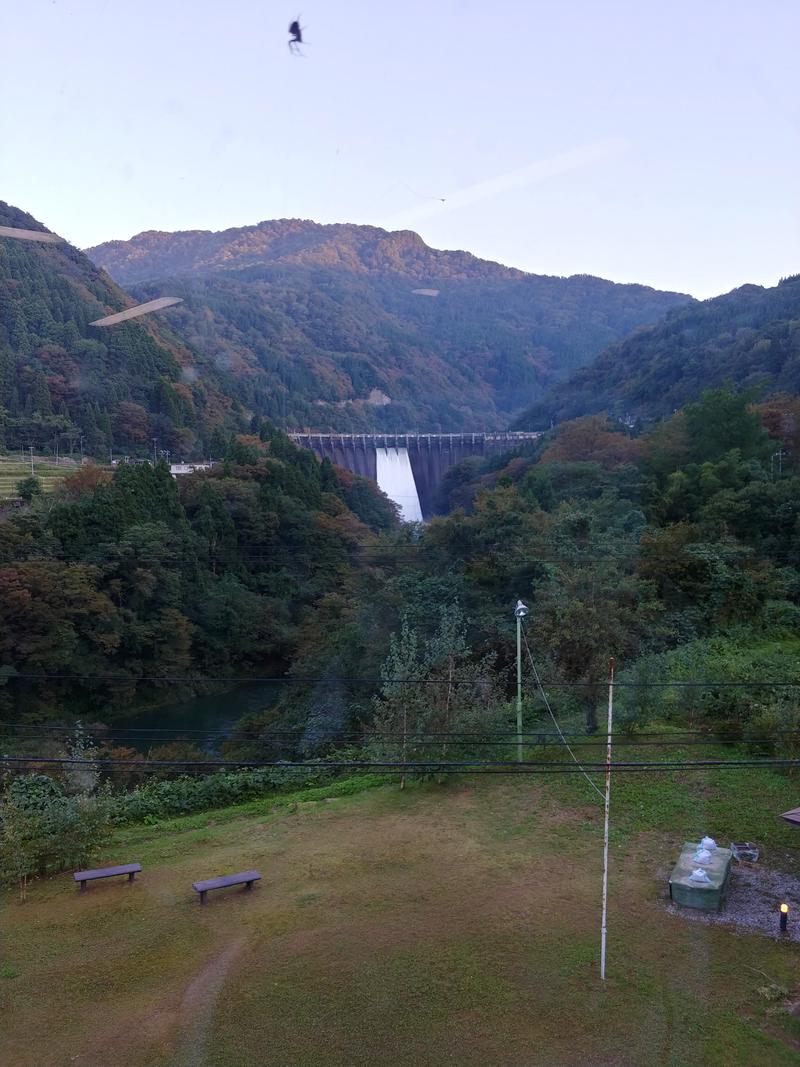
{"x": 519, "y": 687}
{"x": 605, "y": 831}
{"x": 520, "y": 611}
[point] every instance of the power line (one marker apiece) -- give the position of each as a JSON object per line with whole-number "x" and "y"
{"x": 151, "y": 743}
{"x": 574, "y": 557}
{"x": 649, "y": 736}
{"x": 555, "y": 720}
{"x": 326, "y": 678}
{"x": 649, "y": 533}
{"x": 530, "y": 740}
{"x": 461, "y": 766}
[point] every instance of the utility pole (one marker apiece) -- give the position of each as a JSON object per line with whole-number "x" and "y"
{"x": 611, "y": 665}
{"x": 779, "y": 456}
{"x": 31, "y": 461}
{"x": 520, "y": 611}
{"x": 155, "y": 442}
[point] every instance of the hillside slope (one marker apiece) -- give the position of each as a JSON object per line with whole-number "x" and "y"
{"x": 62, "y": 380}
{"x": 321, "y": 326}
{"x": 749, "y": 337}
{"x": 374, "y": 947}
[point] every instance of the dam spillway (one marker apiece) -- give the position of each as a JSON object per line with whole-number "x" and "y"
{"x": 426, "y": 457}
{"x": 396, "y": 478}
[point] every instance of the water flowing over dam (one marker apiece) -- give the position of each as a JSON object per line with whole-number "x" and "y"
{"x": 396, "y": 479}
{"x": 408, "y": 467}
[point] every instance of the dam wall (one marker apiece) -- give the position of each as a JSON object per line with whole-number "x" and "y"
{"x": 428, "y": 455}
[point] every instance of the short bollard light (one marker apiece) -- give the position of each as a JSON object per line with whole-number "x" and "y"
{"x": 784, "y": 916}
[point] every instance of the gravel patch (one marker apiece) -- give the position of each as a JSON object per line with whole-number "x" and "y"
{"x": 751, "y": 905}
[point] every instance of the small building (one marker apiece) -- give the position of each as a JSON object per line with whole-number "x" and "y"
{"x": 177, "y": 469}
{"x": 792, "y": 816}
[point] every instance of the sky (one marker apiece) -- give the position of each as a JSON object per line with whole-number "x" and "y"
{"x": 641, "y": 141}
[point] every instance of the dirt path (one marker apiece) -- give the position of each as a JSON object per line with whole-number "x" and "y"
{"x": 197, "y": 1006}
{"x": 442, "y": 926}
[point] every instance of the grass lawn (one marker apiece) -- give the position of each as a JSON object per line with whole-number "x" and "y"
{"x": 447, "y": 924}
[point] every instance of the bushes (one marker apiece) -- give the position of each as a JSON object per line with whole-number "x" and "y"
{"x": 43, "y": 831}
{"x": 743, "y": 706}
{"x": 182, "y": 796}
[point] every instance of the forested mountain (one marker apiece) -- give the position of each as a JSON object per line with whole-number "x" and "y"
{"x": 354, "y": 328}
{"x": 62, "y": 379}
{"x": 749, "y": 337}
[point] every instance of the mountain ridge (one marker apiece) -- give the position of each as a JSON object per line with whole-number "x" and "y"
{"x": 63, "y": 379}
{"x": 749, "y": 338}
{"x": 299, "y": 241}
{"x": 316, "y": 319}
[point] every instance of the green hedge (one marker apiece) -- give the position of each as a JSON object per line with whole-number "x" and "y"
{"x": 182, "y": 796}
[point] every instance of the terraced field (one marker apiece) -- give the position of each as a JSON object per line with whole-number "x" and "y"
{"x": 48, "y": 473}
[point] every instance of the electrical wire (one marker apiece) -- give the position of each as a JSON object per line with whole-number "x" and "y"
{"x": 537, "y": 736}
{"x": 456, "y": 766}
{"x": 574, "y": 557}
{"x": 510, "y": 739}
{"x": 555, "y": 720}
{"x": 283, "y": 679}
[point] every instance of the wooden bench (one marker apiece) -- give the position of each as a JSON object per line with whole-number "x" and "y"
{"x": 243, "y": 878}
{"x": 131, "y": 869}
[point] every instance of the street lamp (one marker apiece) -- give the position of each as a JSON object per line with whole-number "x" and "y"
{"x": 520, "y": 611}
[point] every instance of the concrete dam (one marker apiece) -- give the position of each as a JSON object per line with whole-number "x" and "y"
{"x": 408, "y": 467}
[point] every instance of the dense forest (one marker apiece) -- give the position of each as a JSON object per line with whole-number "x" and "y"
{"x": 135, "y": 586}
{"x": 65, "y": 385}
{"x": 335, "y": 327}
{"x": 749, "y": 338}
{"x": 677, "y": 551}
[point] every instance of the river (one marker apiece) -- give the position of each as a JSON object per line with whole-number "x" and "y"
{"x": 205, "y": 720}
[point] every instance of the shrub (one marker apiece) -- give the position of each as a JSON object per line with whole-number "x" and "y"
{"x": 182, "y": 796}
{"x": 43, "y": 831}
{"x": 29, "y": 487}
{"x": 782, "y": 615}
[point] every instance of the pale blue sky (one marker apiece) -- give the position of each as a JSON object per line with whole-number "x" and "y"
{"x": 636, "y": 140}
